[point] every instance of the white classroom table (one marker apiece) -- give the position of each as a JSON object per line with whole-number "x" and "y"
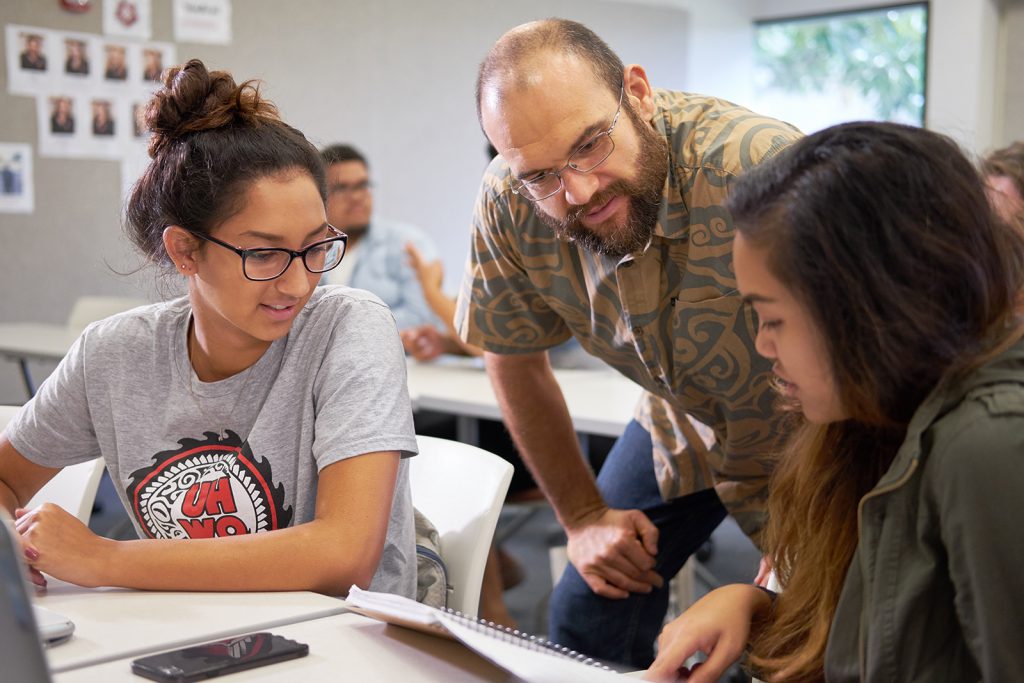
{"x": 600, "y": 401}
{"x": 24, "y": 342}
{"x": 116, "y": 623}
{"x": 343, "y": 647}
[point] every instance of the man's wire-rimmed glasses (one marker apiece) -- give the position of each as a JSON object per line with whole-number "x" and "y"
{"x": 269, "y": 263}
{"x": 349, "y": 190}
{"x": 585, "y": 159}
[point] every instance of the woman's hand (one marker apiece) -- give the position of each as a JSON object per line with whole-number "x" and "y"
{"x": 57, "y": 543}
{"x": 717, "y": 625}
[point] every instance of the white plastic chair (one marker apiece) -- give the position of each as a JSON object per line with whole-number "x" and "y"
{"x": 90, "y": 308}
{"x": 460, "y": 488}
{"x": 74, "y": 487}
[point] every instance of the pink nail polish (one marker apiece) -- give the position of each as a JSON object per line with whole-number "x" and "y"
{"x": 32, "y": 554}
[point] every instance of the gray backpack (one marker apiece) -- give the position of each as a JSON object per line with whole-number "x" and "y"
{"x": 431, "y": 574}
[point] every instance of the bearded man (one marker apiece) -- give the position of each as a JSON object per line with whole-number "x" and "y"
{"x": 603, "y": 219}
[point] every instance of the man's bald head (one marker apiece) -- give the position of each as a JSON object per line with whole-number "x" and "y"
{"x": 523, "y": 52}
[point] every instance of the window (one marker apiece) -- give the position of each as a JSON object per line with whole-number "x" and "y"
{"x": 816, "y": 71}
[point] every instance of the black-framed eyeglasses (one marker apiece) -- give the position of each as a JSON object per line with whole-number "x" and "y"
{"x": 269, "y": 263}
{"x": 585, "y": 159}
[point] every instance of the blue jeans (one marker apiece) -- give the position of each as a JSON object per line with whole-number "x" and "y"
{"x": 624, "y": 631}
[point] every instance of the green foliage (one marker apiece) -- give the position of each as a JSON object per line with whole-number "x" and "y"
{"x": 879, "y": 53}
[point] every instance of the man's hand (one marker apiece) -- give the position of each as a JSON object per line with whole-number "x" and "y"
{"x": 429, "y": 273}
{"x": 614, "y": 552}
{"x": 423, "y": 342}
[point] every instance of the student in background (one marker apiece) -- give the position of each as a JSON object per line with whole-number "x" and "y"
{"x": 376, "y": 259}
{"x": 1004, "y": 179}
{"x": 884, "y": 287}
{"x": 256, "y": 403}
{"x": 427, "y": 341}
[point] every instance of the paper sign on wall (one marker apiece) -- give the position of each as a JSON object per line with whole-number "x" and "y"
{"x": 131, "y": 18}
{"x": 17, "y": 191}
{"x": 202, "y": 21}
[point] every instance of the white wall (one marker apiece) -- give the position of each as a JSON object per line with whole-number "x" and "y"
{"x": 396, "y": 78}
{"x": 1011, "y": 69}
{"x": 962, "y": 78}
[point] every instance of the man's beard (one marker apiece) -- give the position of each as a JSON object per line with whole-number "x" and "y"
{"x": 356, "y": 232}
{"x": 643, "y": 193}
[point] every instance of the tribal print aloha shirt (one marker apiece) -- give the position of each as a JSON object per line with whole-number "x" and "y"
{"x": 668, "y": 317}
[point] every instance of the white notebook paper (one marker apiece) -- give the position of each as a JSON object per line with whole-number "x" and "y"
{"x": 525, "y": 656}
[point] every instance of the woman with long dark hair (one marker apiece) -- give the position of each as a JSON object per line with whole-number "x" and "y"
{"x": 885, "y": 288}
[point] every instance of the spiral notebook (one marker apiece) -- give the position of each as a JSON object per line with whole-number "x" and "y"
{"x": 525, "y": 656}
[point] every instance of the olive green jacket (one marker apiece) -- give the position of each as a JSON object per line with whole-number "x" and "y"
{"x": 935, "y": 591}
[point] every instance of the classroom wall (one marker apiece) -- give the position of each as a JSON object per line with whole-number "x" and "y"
{"x": 394, "y": 77}
{"x": 1012, "y": 59}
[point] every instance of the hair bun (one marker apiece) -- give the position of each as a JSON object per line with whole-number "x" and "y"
{"x": 194, "y": 100}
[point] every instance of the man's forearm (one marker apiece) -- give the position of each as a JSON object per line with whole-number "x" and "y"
{"x": 536, "y": 415}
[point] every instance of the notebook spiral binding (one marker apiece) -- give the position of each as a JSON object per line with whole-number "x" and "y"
{"x": 517, "y": 637}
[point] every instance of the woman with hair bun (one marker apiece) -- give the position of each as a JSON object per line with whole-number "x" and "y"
{"x": 257, "y": 403}
{"x": 885, "y": 288}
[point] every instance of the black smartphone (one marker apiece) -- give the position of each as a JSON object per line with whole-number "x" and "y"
{"x": 218, "y": 658}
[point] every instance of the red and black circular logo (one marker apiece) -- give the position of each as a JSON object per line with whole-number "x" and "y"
{"x": 207, "y": 489}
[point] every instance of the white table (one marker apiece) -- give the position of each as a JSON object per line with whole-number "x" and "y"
{"x": 115, "y": 623}
{"x": 343, "y": 647}
{"x": 599, "y": 401}
{"x": 24, "y": 342}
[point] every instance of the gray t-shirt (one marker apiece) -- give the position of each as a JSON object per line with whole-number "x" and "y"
{"x": 193, "y": 460}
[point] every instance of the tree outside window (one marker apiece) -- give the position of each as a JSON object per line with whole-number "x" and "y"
{"x": 867, "y": 65}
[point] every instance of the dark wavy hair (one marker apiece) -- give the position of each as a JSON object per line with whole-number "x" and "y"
{"x": 884, "y": 233}
{"x": 212, "y": 138}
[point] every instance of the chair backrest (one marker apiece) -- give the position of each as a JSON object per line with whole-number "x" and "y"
{"x": 460, "y": 488}
{"x": 88, "y": 309}
{"x": 74, "y": 487}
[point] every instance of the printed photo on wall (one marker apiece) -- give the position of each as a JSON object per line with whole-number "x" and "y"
{"x": 152, "y": 64}
{"x": 33, "y": 55}
{"x": 79, "y": 67}
{"x": 62, "y": 116}
{"x": 102, "y": 118}
{"x": 17, "y": 193}
{"x": 63, "y": 122}
{"x": 116, "y": 64}
{"x": 153, "y": 59}
{"x": 77, "y": 59}
{"x": 139, "y": 129}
